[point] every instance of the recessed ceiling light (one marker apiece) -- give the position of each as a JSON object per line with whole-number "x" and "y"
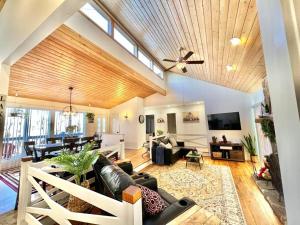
{"x": 231, "y": 67}
{"x": 235, "y": 41}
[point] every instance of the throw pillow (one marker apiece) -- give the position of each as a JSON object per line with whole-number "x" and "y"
{"x": 165, "y": 140}
{"x": 153, "y": 203}
{"x": 173, "y": 141}
{"x": 169, "y": 146}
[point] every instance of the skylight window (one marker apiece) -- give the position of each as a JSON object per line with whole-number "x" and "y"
{"x": 158, "y": 71}
{"x": 94, "y": 14}
{"x": 144, "y": 59}
{"x": 123, "y": 40}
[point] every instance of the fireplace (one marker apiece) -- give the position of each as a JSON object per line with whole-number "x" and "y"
{"x": 272, "y": 164}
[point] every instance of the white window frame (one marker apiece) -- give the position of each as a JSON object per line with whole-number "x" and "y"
{"x": 102, "y": 14}
{"x": 146, "y": 56}
{"x": 123, "y": 33}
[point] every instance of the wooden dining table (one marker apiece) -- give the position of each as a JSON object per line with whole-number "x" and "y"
{"x": 53, "y": 147}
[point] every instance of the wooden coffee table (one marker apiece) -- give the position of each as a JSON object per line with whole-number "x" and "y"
{"x": 195, "y": 157}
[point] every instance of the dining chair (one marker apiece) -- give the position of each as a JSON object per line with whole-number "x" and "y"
{"x": 70, "y": 143}
{"x": 29, "y": 147}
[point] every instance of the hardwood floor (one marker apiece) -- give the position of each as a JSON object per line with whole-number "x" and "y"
{"x": 135, "y": 156}
{"x": 257, "y": 210}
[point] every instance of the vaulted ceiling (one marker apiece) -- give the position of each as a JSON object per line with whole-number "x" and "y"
{"x": 204, "y": 27}
{"x": 66, "y": 59}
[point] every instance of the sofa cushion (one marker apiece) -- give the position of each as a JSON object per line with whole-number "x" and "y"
{"x": 116, "y": 180}
{"x": 173, "y": 141}
{"x": 175, "y": 149}
{"x": 168, "y": 145}
{"x": 153, "y": 204}
{"x": 101, "y": 162}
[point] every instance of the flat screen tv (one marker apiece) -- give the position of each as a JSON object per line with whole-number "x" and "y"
{"x": 224, "y": 121}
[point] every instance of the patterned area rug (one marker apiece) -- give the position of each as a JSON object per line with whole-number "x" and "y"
{"x": 11, "y": 178}
{"x": 212, "y": 188}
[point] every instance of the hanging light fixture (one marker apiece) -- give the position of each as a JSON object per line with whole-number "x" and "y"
{"x": 17, "y": 111}
{"x": 70, "y": 110}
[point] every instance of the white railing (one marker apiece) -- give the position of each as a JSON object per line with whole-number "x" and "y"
{"x": 51, "y": 202}
{"x": 198, "y": 141}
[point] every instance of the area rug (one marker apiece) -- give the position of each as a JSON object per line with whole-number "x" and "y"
{"x": 11, "y": 178}
{"x": 212, "y": 188}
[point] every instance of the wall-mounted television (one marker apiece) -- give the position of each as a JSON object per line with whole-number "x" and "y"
{"x": 224, "y": 121}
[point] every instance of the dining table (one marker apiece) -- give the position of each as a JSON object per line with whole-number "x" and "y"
{"x": 50, "y": 147}
{"x": 53, "y": 147}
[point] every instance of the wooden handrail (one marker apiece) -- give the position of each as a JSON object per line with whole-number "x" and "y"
{"x": 131, "y": 194}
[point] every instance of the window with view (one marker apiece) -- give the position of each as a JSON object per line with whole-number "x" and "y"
{"x": 144, "y": 59}
{"x": 38, "y": 123}
{"x": 158, "y": 71}
{"x": 101, "y": 125}
{"x": 123, "y": 40}
{"x": 96, "y": 16}
{"x": 62, "y": 122}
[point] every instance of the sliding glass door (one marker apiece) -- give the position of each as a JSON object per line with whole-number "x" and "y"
{"x": 38, "y": 125}
{"x": 14, "y": 131}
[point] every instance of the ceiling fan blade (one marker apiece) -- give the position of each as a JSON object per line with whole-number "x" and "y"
{"x": 195, "y": 62}
{"x": 169, "y": 60}
{"x": 188, "y": 55}
{"x": 170, "y": 68}
{"x": 184, "y": 70}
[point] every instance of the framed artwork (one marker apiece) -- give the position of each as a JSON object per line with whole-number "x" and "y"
{"x": 191, "y": 117}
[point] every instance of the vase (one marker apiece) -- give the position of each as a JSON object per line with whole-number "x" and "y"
{"x": 77, "y": 205}
{"x": 254, "y": 158}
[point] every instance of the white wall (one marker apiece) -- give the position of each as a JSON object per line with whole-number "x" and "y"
{"x": 134, "y": 132}
{"x": 181, "y": 127}
{"x": 24, "y": 23}
{"x": 283, "y": 88}
{"x": 217, "y": 99}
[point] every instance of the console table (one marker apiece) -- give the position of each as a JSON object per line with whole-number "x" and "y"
{"x": 227, "y": 151}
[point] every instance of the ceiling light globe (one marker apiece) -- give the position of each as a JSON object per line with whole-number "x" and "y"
{"x": 235, "y": 41}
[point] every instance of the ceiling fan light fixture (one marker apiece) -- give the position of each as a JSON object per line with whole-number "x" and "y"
{"x": 231, "y": 67}
{"x": 181, "y": 65}
{"x": 235, "y": 41}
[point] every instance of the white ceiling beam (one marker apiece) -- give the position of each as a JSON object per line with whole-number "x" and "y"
{"x": 25, "y": 23}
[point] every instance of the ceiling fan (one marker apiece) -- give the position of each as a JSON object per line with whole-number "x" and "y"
{"x": 181, "y": 62}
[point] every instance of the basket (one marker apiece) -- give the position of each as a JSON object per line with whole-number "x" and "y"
{"x": 77, "y": 205}
{"x": 217, "y": 154}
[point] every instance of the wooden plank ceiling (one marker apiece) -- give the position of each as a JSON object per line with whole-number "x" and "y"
{"x": 66, "y": 59}
{"x": 204, "y": 27}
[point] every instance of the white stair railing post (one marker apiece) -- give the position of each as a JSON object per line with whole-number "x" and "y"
{"x": 25, "y": 189}
{"x": 150, "y": 145}
{"x": 132, "y": 200}
{"x": 122, "y": 150}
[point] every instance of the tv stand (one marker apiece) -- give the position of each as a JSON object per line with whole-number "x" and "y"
{"x": 227, "y": 151}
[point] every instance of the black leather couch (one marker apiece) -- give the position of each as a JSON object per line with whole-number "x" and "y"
{"x": 111, "y": 180}
{"x": 170, "y": 155}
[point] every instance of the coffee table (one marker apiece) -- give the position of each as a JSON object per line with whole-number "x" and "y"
{"x": 194, "y": 156}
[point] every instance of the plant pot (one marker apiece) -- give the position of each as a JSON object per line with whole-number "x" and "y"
{"x": 254, "y": 158}
{"x": 77, "y": 205}
{"x": 90, "y": 120}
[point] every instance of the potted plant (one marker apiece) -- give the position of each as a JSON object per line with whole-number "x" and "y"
{"x": 249, "y": 144}
{"x": 78, "y": 165}
{"x": 90, "y": 117}
{"x": 159, "y": 132}
{"x": 267, "y": 127}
